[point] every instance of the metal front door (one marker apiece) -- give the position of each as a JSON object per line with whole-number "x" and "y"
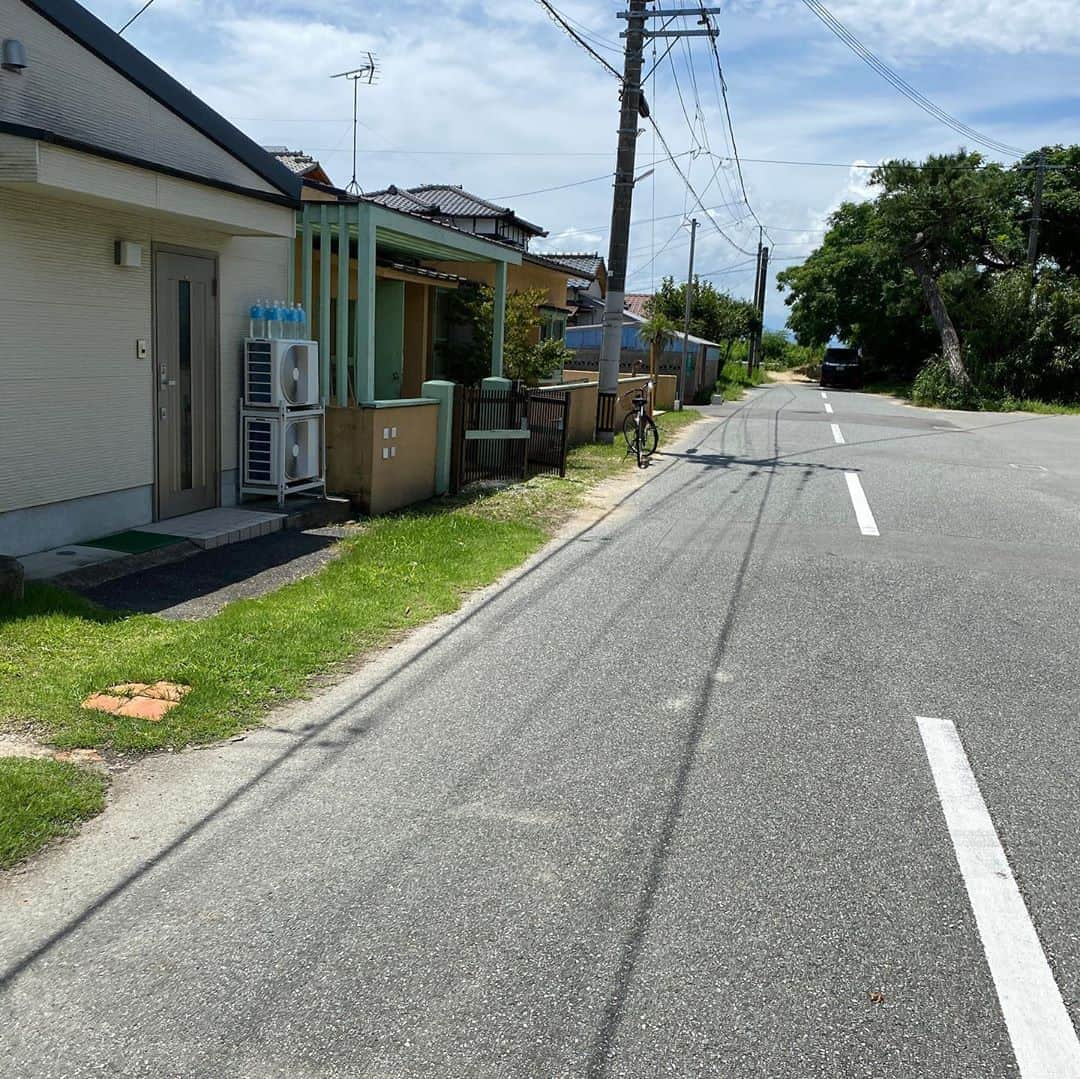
{"x": 186, "y": 383}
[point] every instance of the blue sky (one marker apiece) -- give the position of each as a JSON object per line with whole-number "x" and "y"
{"x": 491, "y": 95}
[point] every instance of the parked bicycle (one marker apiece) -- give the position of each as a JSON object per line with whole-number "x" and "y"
{"x": 639, "y": 430}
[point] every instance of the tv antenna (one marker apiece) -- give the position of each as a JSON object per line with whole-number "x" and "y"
{"x": 364, "y": 74}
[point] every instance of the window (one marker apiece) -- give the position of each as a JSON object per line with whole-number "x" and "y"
{"x": 552, "y": 325}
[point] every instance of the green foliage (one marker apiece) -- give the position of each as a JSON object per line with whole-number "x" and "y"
{"x": 40, "y": 800}
{"x": 934, "y": 387}
{"x": 733, "y": 379}
{"x": 714, "y": 315}
{"x": 467, "y": 356}
{"x": 968, "y": 221}
{"x": 658, "y": 331}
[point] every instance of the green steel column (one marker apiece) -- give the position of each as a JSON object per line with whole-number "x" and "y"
{"x": 498, "y": 330}
{"x": 324, "y": 302}
{"x": 365, "y": 304}
{"x": 305, "y": 266}
{"x": 343, "y": 306}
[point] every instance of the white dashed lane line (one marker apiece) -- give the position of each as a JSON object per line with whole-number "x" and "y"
{"x": 838, "y": 435}
{"x": 824, "y": 396}
{"x": 867, "y": 524}
{"x": 1042, "y": 1034}
{"x": 828, "y": 408}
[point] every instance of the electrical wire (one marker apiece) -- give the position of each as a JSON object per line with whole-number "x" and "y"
{"x": 899, "y": 83}
{"x": 560, "y": 19}
{"x": 133, "y": 18}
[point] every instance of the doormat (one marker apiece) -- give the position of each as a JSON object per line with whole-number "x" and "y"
{"x": 134, "y": 542}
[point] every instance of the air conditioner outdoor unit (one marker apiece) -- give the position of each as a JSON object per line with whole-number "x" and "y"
{"x": 281, "y": 373}
{"x": 282, "y": 450}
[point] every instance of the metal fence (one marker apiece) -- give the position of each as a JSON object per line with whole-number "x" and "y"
{"x": 503, "y": 435}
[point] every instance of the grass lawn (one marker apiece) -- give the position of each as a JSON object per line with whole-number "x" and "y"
{"x": 394, "y": 574}
{"x": 40, "y": 800}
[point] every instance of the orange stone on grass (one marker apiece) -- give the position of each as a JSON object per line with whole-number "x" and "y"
{"x": 139, "y": 700}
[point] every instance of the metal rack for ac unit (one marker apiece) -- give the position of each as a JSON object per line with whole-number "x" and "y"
{"x": 260, "y": 474}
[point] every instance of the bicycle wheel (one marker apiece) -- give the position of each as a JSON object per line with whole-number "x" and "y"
{"x": 629, "y": 430}
{"x": 650, "y": 437}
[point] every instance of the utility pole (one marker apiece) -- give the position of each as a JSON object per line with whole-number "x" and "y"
{"x": 686, "y": 321}
{"x": 633, "y": 106}
{"x": 752, "y": 347}
{"x": 761, "y": 278}
{"x": 1036, "y": 212}
{"x": 764, "y": 274}
{"x": 625, "y": 163}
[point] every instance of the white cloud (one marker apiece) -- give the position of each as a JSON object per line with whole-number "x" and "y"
{"x": 468, "y": 84}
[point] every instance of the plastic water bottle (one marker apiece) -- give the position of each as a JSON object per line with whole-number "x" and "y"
{"x": 257, "y": 319}
{"x": 275, "y": 321}
{"x": 300, "y": 321}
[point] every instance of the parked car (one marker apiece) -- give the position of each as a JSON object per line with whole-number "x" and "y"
{"x": 841, "y": 367}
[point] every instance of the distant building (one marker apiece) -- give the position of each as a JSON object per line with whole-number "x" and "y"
{"x": 303, "y": 165}
{"x": 452, "y": 205}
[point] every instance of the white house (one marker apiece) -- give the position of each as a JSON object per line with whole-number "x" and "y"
{"x": 136, "y": 228}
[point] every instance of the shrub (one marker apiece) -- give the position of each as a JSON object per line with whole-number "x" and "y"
{"x": 934, "y": 387}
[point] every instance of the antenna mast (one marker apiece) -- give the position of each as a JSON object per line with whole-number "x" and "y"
{"x": 364, "y": 74}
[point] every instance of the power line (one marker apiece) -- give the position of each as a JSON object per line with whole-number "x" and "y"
{"x": 134, "y": 17}
{"x": 560, "y": 19}
{"x": 899, "y": 83}
{"x": 727, "y": 114}
{"x": 575, "y": 183}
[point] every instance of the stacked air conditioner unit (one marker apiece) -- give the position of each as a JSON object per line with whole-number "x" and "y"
{"x": 282, "y": 419}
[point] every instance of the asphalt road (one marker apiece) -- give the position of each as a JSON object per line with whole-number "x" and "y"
{"x": 661, "y": 806}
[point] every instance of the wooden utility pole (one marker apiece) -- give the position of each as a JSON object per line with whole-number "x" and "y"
{"x": 633, "y": 106}
{"x": 618, "y": 250}
{"x": 686, "y": 321}
{"x": 1036, "y": 212}
{"x": 761, "y": 278}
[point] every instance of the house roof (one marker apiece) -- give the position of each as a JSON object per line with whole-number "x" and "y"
{"x": 585, "y": 266}
{"x": 90, "y": 32}
{"x": 550, "y": 262}
{"x": 447, "y": 200}
{"x": 296, "y": 161}
{"x": 635, "y": 302}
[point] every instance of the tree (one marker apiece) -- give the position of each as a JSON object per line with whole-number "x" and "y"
{"x": 658, "y": 331}
{"x": 714, "y": 315}
{"x": 946, "y": 214}
{"x": 1059, "y": 238}
{"x": 467, "y": 356}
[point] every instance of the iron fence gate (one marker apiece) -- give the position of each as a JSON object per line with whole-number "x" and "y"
{"x": 605, "y": 412}
{"x": 549, "y": 428}
{"x": 504, "y": 434}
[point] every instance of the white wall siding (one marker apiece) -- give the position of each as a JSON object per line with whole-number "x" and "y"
{"x": 68, "y": 90}
{"x": 77, "y": 405}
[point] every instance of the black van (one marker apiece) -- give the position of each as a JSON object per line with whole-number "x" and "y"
{"x": 841, "y": 367}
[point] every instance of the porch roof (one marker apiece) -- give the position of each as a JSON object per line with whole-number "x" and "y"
{"x": 405, "y": 234}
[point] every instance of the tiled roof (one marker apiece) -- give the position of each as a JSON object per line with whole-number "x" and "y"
{"x": 295, "y": 160}
{"x": 447, "y": 200}
{"x": 586, "y": 265}
{"x": 635, "y": 302}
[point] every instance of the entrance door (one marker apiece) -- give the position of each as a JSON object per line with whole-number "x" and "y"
{"x": 186, "y": 383}
{"x": 389, "y": 338}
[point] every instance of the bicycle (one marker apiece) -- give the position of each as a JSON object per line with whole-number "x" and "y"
{"x": 639, "y": 430}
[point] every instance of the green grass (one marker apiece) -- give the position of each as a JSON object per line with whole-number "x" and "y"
{"x": 393, "y": 574}
{"x": 734, "y": 381}
{"x": 41, "y": 800}
{"x": 1006, "y": 404}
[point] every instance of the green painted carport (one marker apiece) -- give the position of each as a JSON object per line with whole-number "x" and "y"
{"x": 376, "y": 231}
